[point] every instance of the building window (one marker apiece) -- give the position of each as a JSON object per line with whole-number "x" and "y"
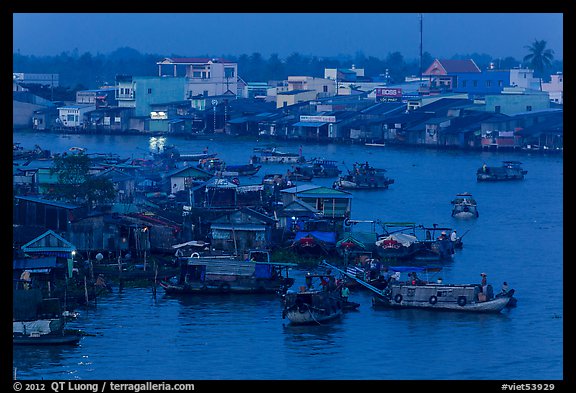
{"x": 205, "y": 93}
{"x": 464, "y": 83}
{"x": 528, "y": 108}
{"x": 488, "y": 83}
{"x": 475, "y": 83}
{"x": 325, "y": 89}
{"x": 497, "y": 109}
{"x": 149, "y": 90}
{"x": 500, "y": 83}
{"x": 196, "y": 74}
{"x": 70, "y": 118}
{"x": 228, "y": 72}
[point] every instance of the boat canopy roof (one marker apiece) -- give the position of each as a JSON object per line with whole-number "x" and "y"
{"x": 402, "y": 238}
{"x": 402, "y": 269}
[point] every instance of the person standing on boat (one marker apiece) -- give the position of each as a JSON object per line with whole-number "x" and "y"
{"x": 345, "y": 293}
{"x": 453, "y": 240}
{"x": 454, "y": 236}
{"x": 483, "y": 296}
{"x": 308, "y": 281}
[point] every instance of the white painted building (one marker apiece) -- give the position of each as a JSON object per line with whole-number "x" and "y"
{"x": 73, "y": 115}
{"x": 555, "y": 88}
{"x": 204, "y": 76}
{"x": 524, "y": 78}
{"x": 322, "y": 86}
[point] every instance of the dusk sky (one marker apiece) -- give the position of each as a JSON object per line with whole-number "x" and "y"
{"x": 320, "y": 34}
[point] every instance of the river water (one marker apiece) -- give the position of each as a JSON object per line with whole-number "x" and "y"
{"x": 518, "y": 238}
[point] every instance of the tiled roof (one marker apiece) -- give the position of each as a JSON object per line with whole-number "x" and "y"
{"x": 452, "y": 67}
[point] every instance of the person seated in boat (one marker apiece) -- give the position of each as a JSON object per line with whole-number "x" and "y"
{"x": 385, "y": 274}
{"x": 414, "y": 279}
{"x": 504, "y": 288}
{"x": 101, "y": 282}
{"x": 25, "y": 278}
{"x": 484, "y": 168}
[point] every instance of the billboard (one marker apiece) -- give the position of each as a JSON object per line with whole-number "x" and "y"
{"x": 388, "y": 94}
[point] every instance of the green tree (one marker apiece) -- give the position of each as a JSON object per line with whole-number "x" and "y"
{"x": 539, "y": 57}
{"x": 76, "y": 184}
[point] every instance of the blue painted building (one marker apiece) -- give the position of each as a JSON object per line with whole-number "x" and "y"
{"x": 486, "y": 82}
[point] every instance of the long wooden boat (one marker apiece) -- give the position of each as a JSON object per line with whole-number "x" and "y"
{"x": 229, "y": 276}
{"x": 432, "y": 296}
{"x": 241, "y": 170}
{"x": 510, "y": 170}
{"x": 435, "y": 296}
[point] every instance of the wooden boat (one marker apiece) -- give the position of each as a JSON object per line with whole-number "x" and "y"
{"x": 363, "y": 177}
{"x": 311, "y": 305}
{"x": 434, "y": 248}
{"x": 419, "y": 294}
{"x": 321, "y": 168}
{"x": 454, "y": 297}
{"x": 372, "y": 277}
{"x": 510, "y": 170}
{"x": 464, "y": 206}
{"x": 256, "y": 274}
{"x": 277, "y": 157}
{"x": 39, "y": 321}
{"x": 64, "y": 338}
{"x": 240, "y": 170}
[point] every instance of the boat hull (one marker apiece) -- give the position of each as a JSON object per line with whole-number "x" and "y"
{"x": 489, "y": 306}
{"x": 453, "y": 297}
{"x": 308, "y": 317}
{"x": 465, "y": 214}
{"x": 46, "y": 339}
{"x": 227, "y": 287}
{"x": 312, "y": 306}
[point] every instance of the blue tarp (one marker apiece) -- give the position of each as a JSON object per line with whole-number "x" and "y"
{"x": 412, "y": 268}
{"x": 308, "y": 124}
{"x": 263, "y": 270}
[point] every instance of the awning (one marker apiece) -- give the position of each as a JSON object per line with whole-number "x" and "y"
{"x": 238, "y": 227}
{"x": 308, "y": 124}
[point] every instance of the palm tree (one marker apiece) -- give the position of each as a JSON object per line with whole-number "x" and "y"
{"x": 539, "y": 57}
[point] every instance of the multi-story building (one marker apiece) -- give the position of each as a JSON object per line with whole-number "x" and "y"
{"x": 204, "y": 76}
{"x": 513, "y": 100}
{"x": 293, "y": 97}
{"x": 139, "y": 92}
{"x": 555, "y": 88}
{"x": 322, "y": 86}
{"x": 102, "y": 98}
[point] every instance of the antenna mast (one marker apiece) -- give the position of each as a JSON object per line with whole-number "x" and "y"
{"x": 420, "y": 16}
